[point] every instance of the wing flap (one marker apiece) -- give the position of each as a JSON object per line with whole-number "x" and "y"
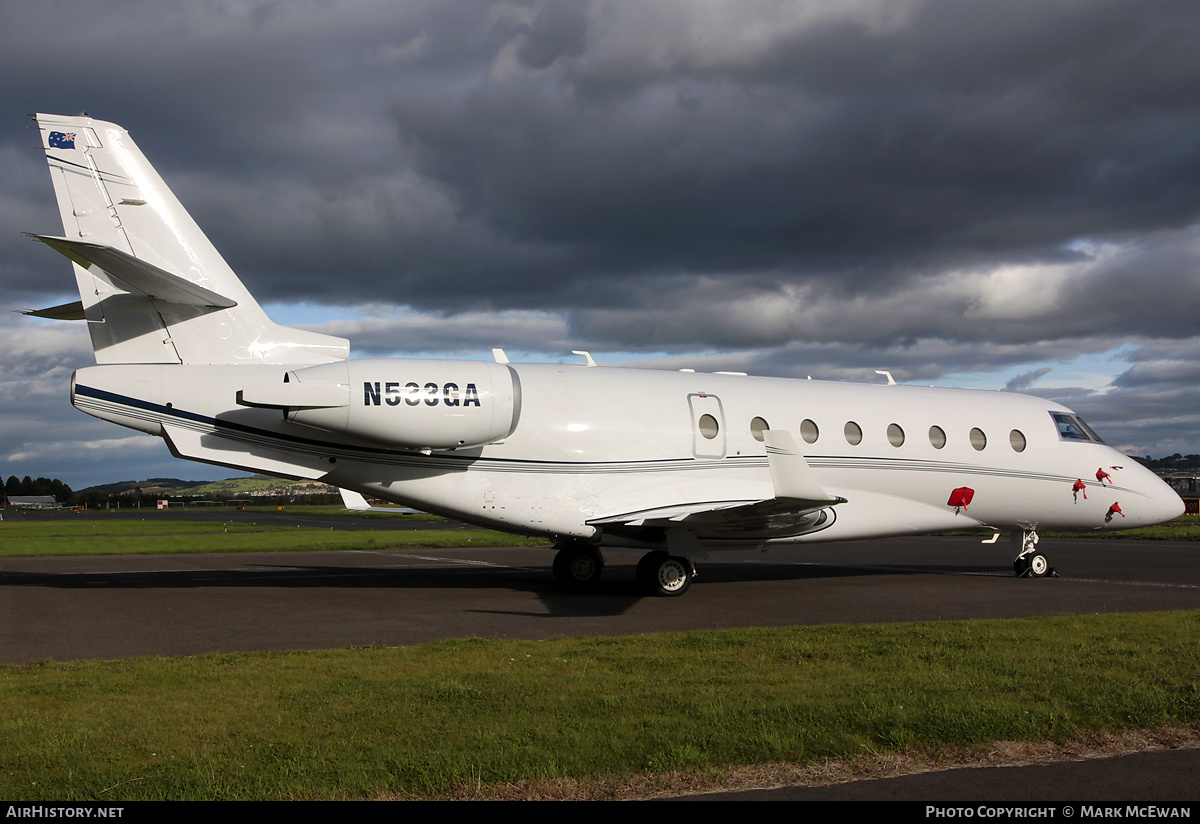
{"x": 674, "y": 514}
{"x": 801, "y": 504}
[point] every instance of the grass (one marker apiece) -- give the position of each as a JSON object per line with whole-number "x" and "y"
{"x": 95, "y": 535}
{"x": 426, "y": 721}
{"x": 1183, "y": 528}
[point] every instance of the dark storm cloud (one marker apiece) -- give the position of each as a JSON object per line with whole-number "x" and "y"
{"x": 570, "y": 143}
{"x": 929, "y": 186}
{"x": 835, "y": 152}
{"x": 564, "y": 150}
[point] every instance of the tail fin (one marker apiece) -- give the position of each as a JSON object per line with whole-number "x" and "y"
{"x": 151, "y": 285}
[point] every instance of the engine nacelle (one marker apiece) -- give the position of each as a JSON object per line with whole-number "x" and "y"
{"x": 422, "y": 404}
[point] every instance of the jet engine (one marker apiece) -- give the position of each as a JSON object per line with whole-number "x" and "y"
{"x": 420, "y": 404}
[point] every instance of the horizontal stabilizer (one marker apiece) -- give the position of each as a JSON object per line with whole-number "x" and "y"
{"x": 65, "y": 311}
{"x": 136, "y": 274}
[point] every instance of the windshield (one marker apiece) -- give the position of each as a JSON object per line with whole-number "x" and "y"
{"x": 1072, "y": 428}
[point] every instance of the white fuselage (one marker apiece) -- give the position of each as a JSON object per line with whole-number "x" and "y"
{"x": 595, "y": 446}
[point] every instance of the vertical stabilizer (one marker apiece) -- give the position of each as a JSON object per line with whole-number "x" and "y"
{"x": 153, "y": 288}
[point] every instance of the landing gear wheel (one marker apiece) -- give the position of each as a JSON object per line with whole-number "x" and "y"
{"x": 577, "y": 567}
{"x": 1032, "y": 566}
{"x": 665, "y": 575}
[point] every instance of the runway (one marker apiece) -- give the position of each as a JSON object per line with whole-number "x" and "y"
{"x": 112, "y": 607}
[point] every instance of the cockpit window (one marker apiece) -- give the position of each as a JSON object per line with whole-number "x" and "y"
{"x": 1072, "y": 428}
{"x": 1088, "y": 429}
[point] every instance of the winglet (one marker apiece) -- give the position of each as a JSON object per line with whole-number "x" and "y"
{"x": 353, "y": 500}
{"x": 790, "y": 473}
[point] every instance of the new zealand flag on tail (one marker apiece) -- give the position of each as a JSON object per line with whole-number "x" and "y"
{"x": 59, "y": 140}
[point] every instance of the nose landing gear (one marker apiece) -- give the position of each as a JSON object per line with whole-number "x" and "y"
{"x": 1027, "y": 561}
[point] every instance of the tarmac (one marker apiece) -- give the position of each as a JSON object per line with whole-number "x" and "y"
{"x": 73, "y": 608}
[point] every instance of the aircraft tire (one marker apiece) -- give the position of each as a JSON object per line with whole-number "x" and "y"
{"x": 577, "y": 567}
{"x": 1039, "y": 567}
{"x": 668, "y": 576}
{"x": 1032, "y": 566}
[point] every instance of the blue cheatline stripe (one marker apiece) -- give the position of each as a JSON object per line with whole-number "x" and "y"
{"x": 444, "y": 460}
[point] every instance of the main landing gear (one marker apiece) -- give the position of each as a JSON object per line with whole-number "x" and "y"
{"x": 578, "y": 566}
{"x": 1027, "y": 561}
{"x": 665, "y": 575}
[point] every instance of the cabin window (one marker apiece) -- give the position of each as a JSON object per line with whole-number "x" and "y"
{"x": 708, "y": 426}
{"x": 937, "y": 437}
{"x": 757, "y": 427}
{"x": 809, "y": 431}
{"x": 853, "y": 433}
{"x": 978, "y": 439}
{"x": 895, "y": 434}
{"x": 1016, "y": 439}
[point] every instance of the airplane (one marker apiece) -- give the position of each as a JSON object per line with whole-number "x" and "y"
{"x": 588, "y": 456}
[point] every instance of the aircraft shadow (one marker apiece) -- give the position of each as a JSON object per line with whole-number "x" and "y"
{"x": 618, "y": 578}
{"x": 496, "y": 595}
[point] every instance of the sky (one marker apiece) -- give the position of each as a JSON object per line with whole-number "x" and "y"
{"x": 966, "y": 193}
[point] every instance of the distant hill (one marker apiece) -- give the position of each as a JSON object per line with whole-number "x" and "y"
{"x": 258, "y": 485}
{"x": 148, "y": 486}
{"x": 252, "y": 487}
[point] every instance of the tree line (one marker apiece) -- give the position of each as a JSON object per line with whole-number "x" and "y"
{"x": 39, "y": 486}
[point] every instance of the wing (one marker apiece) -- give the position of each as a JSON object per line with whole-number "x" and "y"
{"x": 800, "y": 504}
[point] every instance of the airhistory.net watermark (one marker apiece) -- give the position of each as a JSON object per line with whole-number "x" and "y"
{"x": 50, "y": 811}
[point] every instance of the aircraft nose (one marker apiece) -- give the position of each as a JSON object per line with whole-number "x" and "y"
{"x": 1162, "y": 502}
{"x": 1172, "y": 505}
